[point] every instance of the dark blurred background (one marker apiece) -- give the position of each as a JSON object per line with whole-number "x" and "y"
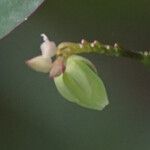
{"x": 34, "y": 116}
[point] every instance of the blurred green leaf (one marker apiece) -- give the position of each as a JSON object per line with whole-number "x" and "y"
{"x": 81, "y": 85}
{"x": 14, "y": 12}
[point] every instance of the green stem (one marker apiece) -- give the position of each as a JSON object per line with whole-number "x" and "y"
{"x": 66, "y": 49}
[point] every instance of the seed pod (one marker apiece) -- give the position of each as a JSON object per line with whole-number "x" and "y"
{"x": 81, "y": 85}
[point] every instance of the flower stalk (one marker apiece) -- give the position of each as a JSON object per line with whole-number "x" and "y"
{"x": 66, "y": 49}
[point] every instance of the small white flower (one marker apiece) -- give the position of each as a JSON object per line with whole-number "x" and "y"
{"x": 43, "y": 62}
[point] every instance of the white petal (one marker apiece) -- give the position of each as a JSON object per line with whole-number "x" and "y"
{"x": 40, "y": 64}
{"x": 48, "y": 48}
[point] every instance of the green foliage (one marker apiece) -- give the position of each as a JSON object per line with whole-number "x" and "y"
{"x": 81, "y": 85}
{"x": 14, "y": 12}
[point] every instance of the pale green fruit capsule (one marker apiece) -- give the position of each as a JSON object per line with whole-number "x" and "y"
{"x": 81, "y": 85}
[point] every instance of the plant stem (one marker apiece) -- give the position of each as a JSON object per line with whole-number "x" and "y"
{"x": 66, "y": 49}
